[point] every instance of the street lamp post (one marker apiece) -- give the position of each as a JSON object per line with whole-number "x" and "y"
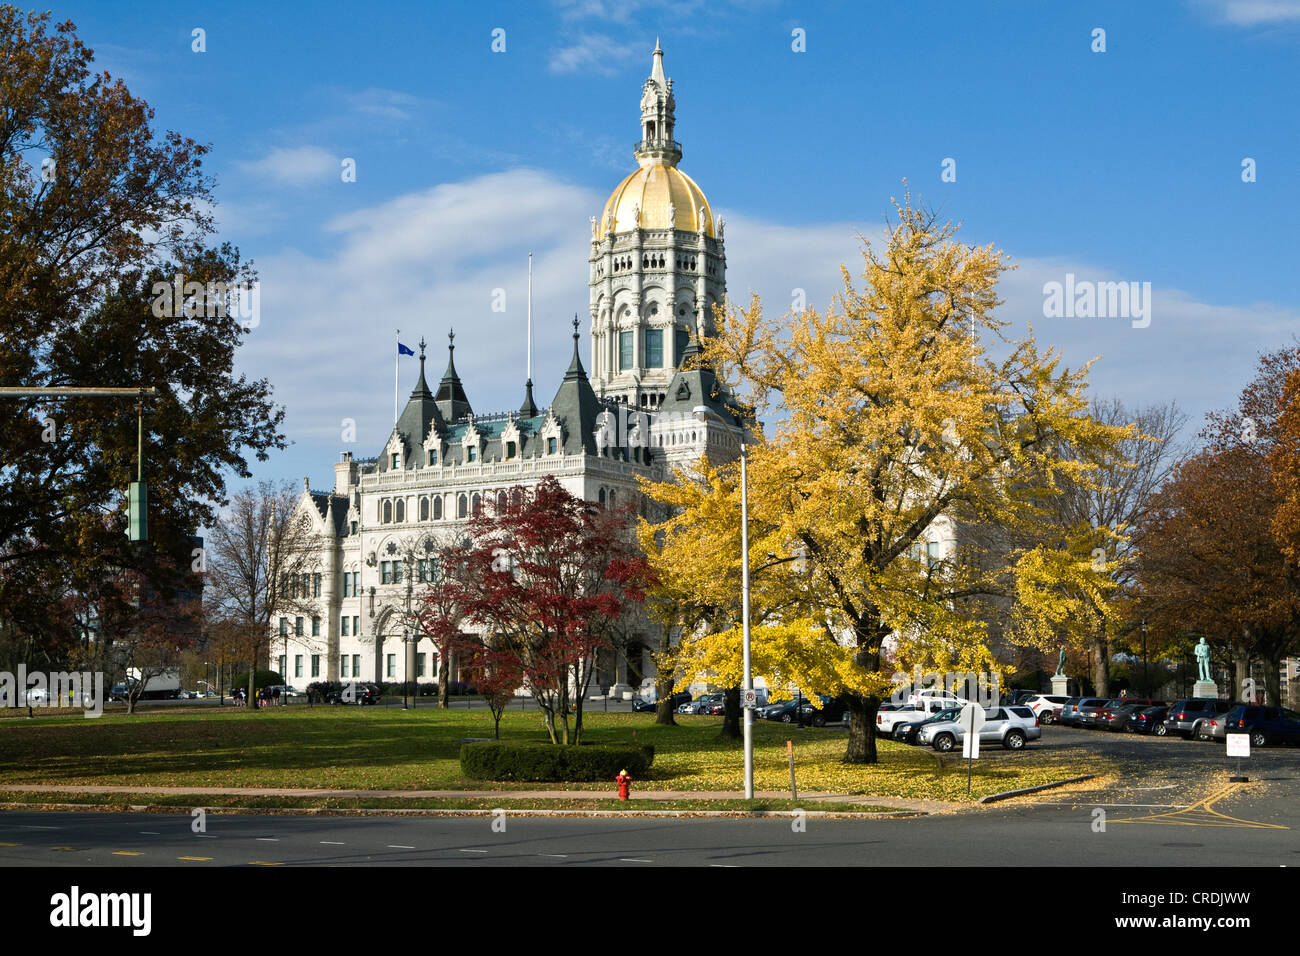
{"x": 744, "y": 586}
{"x": 1146, "y": 681}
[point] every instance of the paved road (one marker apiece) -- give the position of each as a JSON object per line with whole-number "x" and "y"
{"x": 1029, "y": 835}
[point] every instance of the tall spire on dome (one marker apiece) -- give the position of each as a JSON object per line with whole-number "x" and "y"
{"x": 657, "y": 117}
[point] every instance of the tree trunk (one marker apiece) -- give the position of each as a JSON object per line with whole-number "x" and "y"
{"x": 862, "y": 730}
{"x": 664, "y": 684}
{"x": 444, "y": 672}
{"x": 252, "y": 685}
{"x": 731, "y": 730}
{"x": 1101, "y": 663}
{"x": 1240, "y": 671}
{"x": 1273, "y": 681}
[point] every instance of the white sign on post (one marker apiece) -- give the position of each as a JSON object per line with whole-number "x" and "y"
{"x": 972, "y": 719}
{"x": 1238, "y": 745}
{"x": 750, "y": 697}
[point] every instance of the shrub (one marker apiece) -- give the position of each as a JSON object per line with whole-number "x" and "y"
{"x": 490, "y": 760}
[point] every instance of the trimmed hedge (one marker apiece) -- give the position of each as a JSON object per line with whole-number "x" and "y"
{"x": 489, "y": 760}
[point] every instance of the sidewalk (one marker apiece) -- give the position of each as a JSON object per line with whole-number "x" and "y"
{"x": 644, "y": 796}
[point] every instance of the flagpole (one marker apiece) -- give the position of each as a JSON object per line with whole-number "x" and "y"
{"x": 530, "y": 316}
{"x": 396, "y": 358}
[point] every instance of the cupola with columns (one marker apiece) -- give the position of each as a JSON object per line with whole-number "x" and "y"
{"x": 657, "y": 262}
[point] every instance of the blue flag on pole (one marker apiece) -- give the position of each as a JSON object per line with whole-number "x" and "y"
{"x": 403, "y": 350}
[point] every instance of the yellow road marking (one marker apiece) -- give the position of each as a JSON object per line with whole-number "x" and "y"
{"x": 10, "y": 844}
{"x": 126, "y": 853}
{"x": 197, "y": 859}
{"x": 263, "y": 863}
{"x": 68, "y": 849}
{"x": 1203, "y": 814}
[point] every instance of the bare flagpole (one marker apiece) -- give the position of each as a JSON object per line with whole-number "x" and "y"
{"x": 530, "y": 316}
{"x": 397, "y": 355}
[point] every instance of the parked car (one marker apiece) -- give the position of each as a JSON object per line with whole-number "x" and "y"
{"x": 1149, "y": 720}
{"x": 1021, "y": 696}
{"x": 1089, "y": 711}
{"x": 887, "y": 721}
{"x": 649, "y": 702}
{"x": 699, "y": 704}
{"x": 1183, "y": 714}
{"x": 827, "y": 710}
{"x": 1011, "y": 727}
{"x": 1117, "y": 718}
{"x": 786, "y": 711}
{"x": 361, "y": 693}
{"x": 1069, "y": 713}
{"x": 908, "y": 732}
{"x": 1045, "y": 706}
{"x": 1266, "y": 725}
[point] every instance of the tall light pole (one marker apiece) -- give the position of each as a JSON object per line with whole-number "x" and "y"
{"x": 744, "y": 588}
{"x": 748, "y": 678}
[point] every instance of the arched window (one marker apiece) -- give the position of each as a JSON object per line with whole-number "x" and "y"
{"x": 502, "y": 502}
{"x": 602, "y": 496}
{"x": 424, "y": 509}
{"x": 477, "y": 504}
{"x": 437, "y": 508}
{"x": 611, "y": 497}
{"x": 401, "y": 510}
{"x": 462, "y": 506}
{"x": 388, "y": 511}
{"x": 516, "y": 497}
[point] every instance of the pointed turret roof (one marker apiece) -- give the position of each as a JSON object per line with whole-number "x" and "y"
{"x": 529, "y": 408}
{"x": 451, "y": 399}
{"x": 420, "y": 413}
{"x": 576, "y": 405}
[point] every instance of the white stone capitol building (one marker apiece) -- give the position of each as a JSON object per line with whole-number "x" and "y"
{"x": 657, "y": 268}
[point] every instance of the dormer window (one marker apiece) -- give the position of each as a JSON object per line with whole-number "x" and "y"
{"x": 510, "y": 450}
{"x": 471, "y": 453}
{"x": 394, "y": 464}
{"x": 550, "y": 446}
{"x": 433, "y": 456}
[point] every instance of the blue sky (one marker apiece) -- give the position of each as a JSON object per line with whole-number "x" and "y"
{"x": 1122, "y": 165}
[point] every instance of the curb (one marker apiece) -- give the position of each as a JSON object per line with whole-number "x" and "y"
{"x": 336, "y": 812}
{"x": 1007, "y": 795}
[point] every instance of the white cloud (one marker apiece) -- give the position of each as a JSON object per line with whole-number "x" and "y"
{"x": 594, "y": 53}
{"x": 429, "y": 261}
{"x": 1249, "y": 13}
{"x": 294, "y": 166}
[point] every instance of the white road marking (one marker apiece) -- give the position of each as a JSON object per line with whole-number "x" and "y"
{"x": 730, "y": 866}
{"x": 398, "y": 846}
{"x": 473, "y": 851}
{"x": 560, "y": 856}
{"x": 149, "y": 832}
{"x": 624, "y": 859}
{"x": 32, "y": 826}
{"x": 269, "y": 839}
{"x": 332, "y": 843}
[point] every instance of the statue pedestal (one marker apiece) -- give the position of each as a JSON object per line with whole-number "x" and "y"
{"x": 1060, "y": 685}
{"x": 1205, "y": 688}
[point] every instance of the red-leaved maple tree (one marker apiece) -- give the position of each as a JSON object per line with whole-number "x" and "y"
{"x": 547, "y": 579}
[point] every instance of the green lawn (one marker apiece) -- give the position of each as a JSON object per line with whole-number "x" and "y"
{"x": 390, "y": 749}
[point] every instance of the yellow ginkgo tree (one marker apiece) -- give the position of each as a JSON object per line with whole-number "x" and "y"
{"x": 887, "y": 417}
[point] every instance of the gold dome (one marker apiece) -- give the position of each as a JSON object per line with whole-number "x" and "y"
{"x": 653, "y": 188}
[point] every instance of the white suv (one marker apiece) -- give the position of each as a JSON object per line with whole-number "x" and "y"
{"x": 1046, "y": 707}
{"x": 1009, "y": 726}
{"x": 888, "y": 721}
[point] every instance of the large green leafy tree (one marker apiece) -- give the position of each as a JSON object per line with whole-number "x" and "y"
{"x": 95, "y": 208}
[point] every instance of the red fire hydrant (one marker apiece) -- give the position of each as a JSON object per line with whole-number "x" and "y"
{"x": 623, "y": 781}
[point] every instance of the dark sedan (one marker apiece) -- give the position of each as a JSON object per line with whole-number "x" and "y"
{"x": 1150, "y": 720}
{"x": 786, "y": 711}
{"x": 1117, "y": 718}
{"x": 641, "y": 704}
{"x": 827, "y": 710}
{"x": 1266, "y": 725}
{"x": 907, "y": 732}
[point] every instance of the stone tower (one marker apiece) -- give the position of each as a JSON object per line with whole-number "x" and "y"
{"x": 657, "y": 262}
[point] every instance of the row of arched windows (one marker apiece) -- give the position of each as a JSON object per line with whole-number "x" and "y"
{"x": 430, "y": 507}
